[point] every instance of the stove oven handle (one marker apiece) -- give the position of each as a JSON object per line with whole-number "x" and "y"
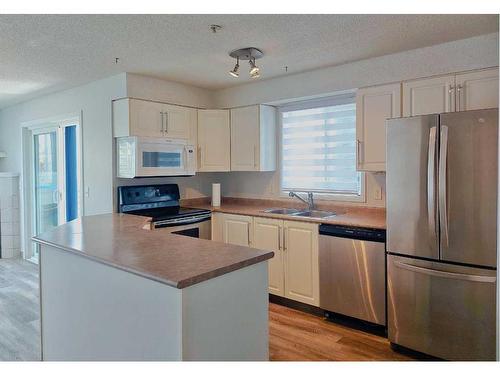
{"x": 169, "y": 223}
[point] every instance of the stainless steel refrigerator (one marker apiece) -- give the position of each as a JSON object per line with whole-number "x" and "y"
{"x": 442, "y": 173}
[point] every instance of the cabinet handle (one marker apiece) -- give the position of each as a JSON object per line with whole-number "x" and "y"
{"x": 162, "y": 130}
{"x": 255, "y": 156}
{"x": 451, "y": 89}
{"x": 279, "y": 238}
{"x": 199, "y": 157}
{"x": 358, "y": 150}
{"x": 166, "y": 122}
{"x": 459, "y": 94}
{"x": 284, "y": 239}
{"x": 248, "y": 232}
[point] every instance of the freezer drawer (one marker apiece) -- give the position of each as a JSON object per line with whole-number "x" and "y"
{"x": 443, "y": 310}
{"x": 352, "y": 278}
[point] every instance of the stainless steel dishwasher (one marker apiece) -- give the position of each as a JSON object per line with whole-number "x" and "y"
{"x": 352, "y": 272}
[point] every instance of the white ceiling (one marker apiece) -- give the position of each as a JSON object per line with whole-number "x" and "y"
{"x": 46, "y": 53}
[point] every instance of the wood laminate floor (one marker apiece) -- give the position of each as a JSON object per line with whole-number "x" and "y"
{"x": 293, "y": 335}
{"x": 299, "y": 336}
{"x": 19, "y": 311}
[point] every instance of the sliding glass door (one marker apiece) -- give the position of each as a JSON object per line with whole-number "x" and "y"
{"x": 48, "y": 206}
{"x": 55, "y": 179}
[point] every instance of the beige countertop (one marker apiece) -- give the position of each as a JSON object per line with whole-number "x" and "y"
{"x": 346, "y": 215}
{"x": 120, "y": 241}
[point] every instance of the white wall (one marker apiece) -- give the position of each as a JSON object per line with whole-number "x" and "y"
{"x": 467, "y": 54}
{"x": 93, "y": 101}
{"x": 144, "y": 87}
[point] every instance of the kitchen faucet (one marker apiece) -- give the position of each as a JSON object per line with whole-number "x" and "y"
{"x": 309, "y": 201}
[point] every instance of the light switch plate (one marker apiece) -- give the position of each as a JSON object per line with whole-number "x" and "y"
{"x": 377, "y": 193}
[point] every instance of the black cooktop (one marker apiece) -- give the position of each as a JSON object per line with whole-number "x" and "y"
{"x": 159, "y": 202}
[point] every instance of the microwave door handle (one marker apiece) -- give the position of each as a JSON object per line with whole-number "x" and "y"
{"x": 443, "y": 175}
{"x": 431, "y": 184}
{"x": 161, "y": 123}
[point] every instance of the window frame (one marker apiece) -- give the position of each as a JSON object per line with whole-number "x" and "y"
{"x": 319, "y": 194}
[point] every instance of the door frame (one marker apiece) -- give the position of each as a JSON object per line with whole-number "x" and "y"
{"x": 28, "y": 129}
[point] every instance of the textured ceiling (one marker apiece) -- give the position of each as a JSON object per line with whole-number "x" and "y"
{"x": 46, "y": 53}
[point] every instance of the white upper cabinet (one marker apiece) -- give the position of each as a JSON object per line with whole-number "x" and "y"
{"x": 373, "y": 106}
{"x": 429, "y": 95}
{"x": 253, "y": 138}
{"x": 455, "y": 92}
{"x": 477, "y": 90}
{"x": 177, "y": 121}
{"x": 214, "y": 141}
{"x": 143, "y": 118}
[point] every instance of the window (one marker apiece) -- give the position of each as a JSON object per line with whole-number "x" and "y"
{"x": 318, "y": 147}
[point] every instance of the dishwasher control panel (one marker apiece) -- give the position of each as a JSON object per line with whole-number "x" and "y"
{"x": 358, "y": 233}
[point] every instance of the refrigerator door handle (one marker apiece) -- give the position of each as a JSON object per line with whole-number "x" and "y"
{"x": 447, "y": 275}
{"x": 443, "y": 199}
{"x": 431, "y": 184}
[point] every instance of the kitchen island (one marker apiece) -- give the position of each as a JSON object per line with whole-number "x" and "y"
{"x": 112, "y": 290}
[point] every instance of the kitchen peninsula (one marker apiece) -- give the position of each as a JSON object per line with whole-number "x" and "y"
{"x": 113, "y": 290}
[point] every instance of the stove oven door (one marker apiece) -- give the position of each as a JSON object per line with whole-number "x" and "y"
{"x": 201, "y": 229}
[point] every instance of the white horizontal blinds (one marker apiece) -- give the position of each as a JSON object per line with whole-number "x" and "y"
{"x": 319, "y": 147}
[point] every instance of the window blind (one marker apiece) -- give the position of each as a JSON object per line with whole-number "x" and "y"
{"x": 319, "y": 148}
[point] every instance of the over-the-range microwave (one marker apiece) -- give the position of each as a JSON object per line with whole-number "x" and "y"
{"x": 154, "y": 157}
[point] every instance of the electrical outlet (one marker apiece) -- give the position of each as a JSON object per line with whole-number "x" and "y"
{"x": 377, "y": 193}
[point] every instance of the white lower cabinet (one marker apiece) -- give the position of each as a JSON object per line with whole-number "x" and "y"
{"x": 294, "y": 269}
{"x": 301, "y": 261}
{"x": 237, "y": 230}
{"x": 268, "y": 235}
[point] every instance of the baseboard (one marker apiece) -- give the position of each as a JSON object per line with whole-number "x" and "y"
{"x": 304, "y": 307}
{"x": 413, "y": 353}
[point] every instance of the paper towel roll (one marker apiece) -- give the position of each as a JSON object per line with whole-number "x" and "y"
{"x": 216, "y": 195}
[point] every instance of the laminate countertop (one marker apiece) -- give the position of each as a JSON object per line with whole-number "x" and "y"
{"x": 122, "y": 241}
{"x": 345, "y": 215}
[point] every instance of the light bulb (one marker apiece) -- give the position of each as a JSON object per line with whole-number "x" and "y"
{"x": 254, "y": 70}
{"x": 234, "y": 72}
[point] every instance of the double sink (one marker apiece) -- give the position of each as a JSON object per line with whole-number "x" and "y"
{"x": 295, "y": 212}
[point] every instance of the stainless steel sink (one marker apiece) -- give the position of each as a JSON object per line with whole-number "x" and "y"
{"x": 283, "y": 211}
{"x": 315, "y": 213}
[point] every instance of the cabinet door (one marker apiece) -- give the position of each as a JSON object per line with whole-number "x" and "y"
{"x": 373, "y": 106}
{"x": 301, "y": 262}
{"x": 477, "y": 90}
{"x": 214, "y": 143}
{"x": 146, "y": 118}
{"x": 176, "y": 121}
{"x": 245, "y": 125}
{"x": 237, "y": 230}
{"x": 429, "y": 95}
{"x": 268, "y": 235}
{"x": 217, "y": 227}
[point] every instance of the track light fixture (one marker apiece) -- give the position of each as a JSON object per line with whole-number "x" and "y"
{"x": 250, "y": 54}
